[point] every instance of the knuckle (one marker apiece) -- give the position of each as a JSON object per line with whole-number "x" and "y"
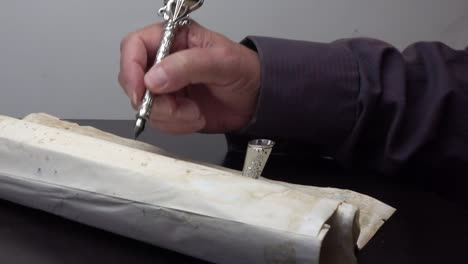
{"x": 229, "y": 59}
{"x": 193, "y": 37}
{"x": 200, "y": 37}
{"x": 127, "y": 39}
{"x": 229, "y": 54}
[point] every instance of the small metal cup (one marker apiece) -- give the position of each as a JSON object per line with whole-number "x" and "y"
{"x": 258, "y": 152}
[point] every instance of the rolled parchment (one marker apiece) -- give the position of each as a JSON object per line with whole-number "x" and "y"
{"x": 205, "y": 211}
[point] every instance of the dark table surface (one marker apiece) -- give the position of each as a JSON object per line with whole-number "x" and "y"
{"x": 428, "y": 227}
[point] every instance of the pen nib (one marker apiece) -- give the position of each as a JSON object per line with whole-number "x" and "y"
{"x": 139, "y": 127}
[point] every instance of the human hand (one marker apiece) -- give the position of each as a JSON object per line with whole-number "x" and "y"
{"x": 208, "y": 84}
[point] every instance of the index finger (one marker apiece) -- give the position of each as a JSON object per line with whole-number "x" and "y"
{"x": 135, "y": 50}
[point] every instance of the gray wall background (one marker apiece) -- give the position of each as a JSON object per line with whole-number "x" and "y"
{"x": 62, "y": 57}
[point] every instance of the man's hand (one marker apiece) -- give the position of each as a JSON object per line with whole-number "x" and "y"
{"x": 208, "y": 84}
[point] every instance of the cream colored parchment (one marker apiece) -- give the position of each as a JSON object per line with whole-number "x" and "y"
{"x": 321, "y": 224}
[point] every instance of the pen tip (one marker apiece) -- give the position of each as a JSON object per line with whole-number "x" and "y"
{"x": 139, "y": 127}
{"x": 137, "y": 132}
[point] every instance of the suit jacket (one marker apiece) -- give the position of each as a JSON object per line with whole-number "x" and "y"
{"x": 364, "y": 103}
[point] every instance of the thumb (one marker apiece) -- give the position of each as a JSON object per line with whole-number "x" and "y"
{"x": 214, "y": 65}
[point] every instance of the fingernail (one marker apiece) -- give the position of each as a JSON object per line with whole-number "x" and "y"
{"x": 134, "y": 99}
{"x": 127, "y": 89}
{"x": 156, "y": 78}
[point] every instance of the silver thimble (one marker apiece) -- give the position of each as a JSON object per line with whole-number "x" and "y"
{"x": 258, "y": 152}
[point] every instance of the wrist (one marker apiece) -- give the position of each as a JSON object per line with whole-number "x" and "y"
{"x": 251, "y": 70}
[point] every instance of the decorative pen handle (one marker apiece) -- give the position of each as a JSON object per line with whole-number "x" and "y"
{"x": 163, "y": 51}
{"x": 176, "y": 13}
{"x": 166, "y": 42}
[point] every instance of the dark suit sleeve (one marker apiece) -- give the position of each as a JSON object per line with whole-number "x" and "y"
{"x": 363, "y": 102}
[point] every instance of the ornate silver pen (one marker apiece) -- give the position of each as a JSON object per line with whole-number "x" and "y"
{"x": 176, "y": 14}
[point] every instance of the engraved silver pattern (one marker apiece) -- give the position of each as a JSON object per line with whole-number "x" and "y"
{"x": 176, "y": 13}
{"x": 258, "y": 152}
